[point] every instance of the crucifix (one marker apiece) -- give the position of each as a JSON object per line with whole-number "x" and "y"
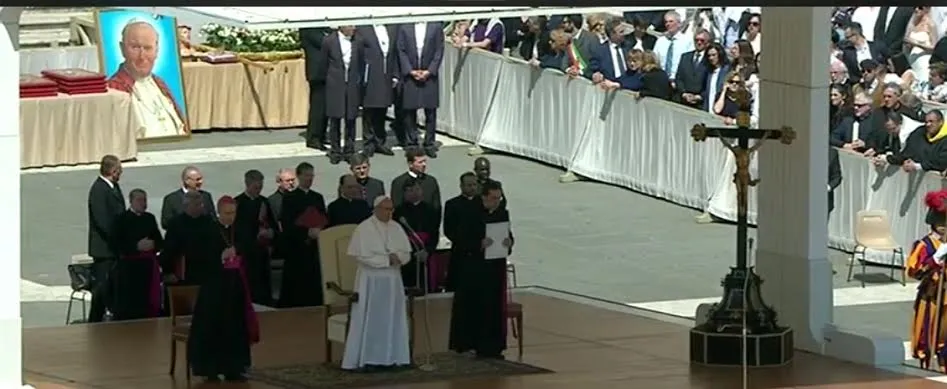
{"x": 742, "y": 284}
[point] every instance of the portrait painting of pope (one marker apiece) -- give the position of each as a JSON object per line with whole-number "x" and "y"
{"x": 156, "y": 101}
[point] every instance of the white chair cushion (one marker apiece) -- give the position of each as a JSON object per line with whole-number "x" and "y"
{"x": 336, "y": 327}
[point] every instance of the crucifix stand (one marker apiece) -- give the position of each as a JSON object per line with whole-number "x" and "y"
{"x": 741, "y": 313}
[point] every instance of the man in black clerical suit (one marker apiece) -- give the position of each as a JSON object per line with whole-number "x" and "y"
{"x": 311, "y": 40}
{"x": 456, "y": 210}
{"x": 417, "y": 168}
{"x": 139, "y": 241}
{"x": 173, "y": 204}
{"x": 106, "y": 202}
{"x": 371, "y": 187}
{"x": 350, "y": 207}
{"x": 424, "y": 220}
{"x": 285, "y": 183}
{"x": 482, "y": 169}
{"x": 186, "y": 258}
{"x": 302, "y": 279}
{"x": 477, "y": 320}
{"x": 254, "y": 232}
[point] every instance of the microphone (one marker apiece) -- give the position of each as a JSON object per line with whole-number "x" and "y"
{"x": 421, "y": 254}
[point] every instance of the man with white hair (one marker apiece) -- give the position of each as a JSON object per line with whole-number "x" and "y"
{"x": 378, "y": 330}
{"x": 152, "y": 101}
{"x": 838, "y": 73}
{"x": 192, "y": 180}
{"x": 672, "y": 44}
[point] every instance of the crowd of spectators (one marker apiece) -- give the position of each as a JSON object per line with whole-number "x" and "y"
{"x": 887, "y": 67}
{"x": 702, "y": 58}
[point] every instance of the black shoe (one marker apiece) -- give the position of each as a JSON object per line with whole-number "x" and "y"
{"x": 498, "y": 356}
{"x": 383, "y": 150}
{"x": 335, "y": 158}
{"x": 235, "y": 378}
{"x": 317, "y": 144}
{"x": 431, "y": 153}
{"x": 212, "y": 379}
{"x": 369, "y": 152}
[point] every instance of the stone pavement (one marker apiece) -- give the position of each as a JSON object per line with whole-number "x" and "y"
{"x": 586, "y": 238}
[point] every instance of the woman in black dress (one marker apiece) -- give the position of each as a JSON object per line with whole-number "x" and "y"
{"x": 224, "y": 324}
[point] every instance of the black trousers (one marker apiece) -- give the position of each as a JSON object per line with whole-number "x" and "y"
{"x": 335, "y": 131}
{"x": 398, "y": 124}
{"x": 430, "y": 126}
{"x": 103, "y": 292}
{"x": 316, "y": 126}
{"x": 374, "y": 133}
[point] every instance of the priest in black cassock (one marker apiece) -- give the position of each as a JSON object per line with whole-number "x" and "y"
{"x": 456, "y": 211}
{"x": 371, "y": 187}
{"x": 482, "y": 169}
{"x": 137, "y": 277}
{"x": 224, "y": 324}
{"x": 478, "y": 319}
{"x": 425, "y": 221}
{"x": 349, "y": 208}
{"x": 255, "y": 228}
{"x": 186, "y": 258}
{"x": 417, "y": 168}
{"x": 301, "y": 269}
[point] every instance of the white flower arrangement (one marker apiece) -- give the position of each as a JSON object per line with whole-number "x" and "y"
{"x": 243, "y": 40}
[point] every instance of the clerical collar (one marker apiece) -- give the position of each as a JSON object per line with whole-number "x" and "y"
{"x": 416, "y": 203}
{"x": 413, "y": 174}
{"x": 362, "y": 181}
{"x": 469, "y": 197}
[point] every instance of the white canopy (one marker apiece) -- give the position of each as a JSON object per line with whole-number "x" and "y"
{"x": 265, "y": 18}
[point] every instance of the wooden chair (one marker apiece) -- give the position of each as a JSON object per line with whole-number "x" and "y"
{"x": 181, "y": 300}
{"x": 514, "y": 311}
{"x": 338, "y": 276}
{"x": 873, "y": 231}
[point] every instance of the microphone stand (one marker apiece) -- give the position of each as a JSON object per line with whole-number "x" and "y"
{"x": 421, "y": 258}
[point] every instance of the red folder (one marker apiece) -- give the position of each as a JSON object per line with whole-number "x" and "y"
{"x": 311, "y": 218}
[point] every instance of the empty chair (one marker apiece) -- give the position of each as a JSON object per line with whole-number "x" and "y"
{"x": 873, "y": 231}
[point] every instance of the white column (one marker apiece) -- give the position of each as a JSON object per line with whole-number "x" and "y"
{"x": 792, "y": 194}
{"x": 11, "y": 362}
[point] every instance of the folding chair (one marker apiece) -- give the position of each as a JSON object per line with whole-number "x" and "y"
{"x": 80, "y": 280}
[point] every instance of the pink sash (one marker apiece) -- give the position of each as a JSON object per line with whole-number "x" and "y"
{"x": 154, "y": 282}
{"x": 253, "y": 325}
{"x": 420, "y": 238}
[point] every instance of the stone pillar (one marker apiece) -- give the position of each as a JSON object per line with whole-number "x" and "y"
{"x": 792, "y": 197}
{"x": 11, "y": 361}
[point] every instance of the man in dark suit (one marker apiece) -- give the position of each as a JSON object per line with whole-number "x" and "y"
{"x": 344, "y": 73}
{"x": 311, "y": 41}
{"x": 173, "y": 204}
{"x": 855, "y": 132}
{"x": 381, "y": 73}
{"x": 890, "y": 27}
{"x": 106, "y": 202}
{"x": 419, "y": 66}
{"x": 835, "y": 176}
{"x": 860, "y": 50}
{"x": 640, "y": 39}
{"x": 608, "y": 60}
{"x": 371, "y": 187}
{"x": 692, "y": 72}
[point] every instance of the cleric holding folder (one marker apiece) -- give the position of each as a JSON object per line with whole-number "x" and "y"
{"x": 137, "y": 275}
{"x": 378, "y": 331}
{"x": 152, "y": 101}
{"x": 926, "y": 264}
{"x": 478, "y": 314}
{"x": 304, "y": 215}
{"x": 224, "y": 324}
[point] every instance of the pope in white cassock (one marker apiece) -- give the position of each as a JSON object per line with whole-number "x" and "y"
{"x": 378, "y": 328}
{"x": 152, "y": 101}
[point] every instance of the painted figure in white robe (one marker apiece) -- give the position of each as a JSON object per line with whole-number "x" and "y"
{"x": 152, "y": 101}
{"x": 378, "y": 330}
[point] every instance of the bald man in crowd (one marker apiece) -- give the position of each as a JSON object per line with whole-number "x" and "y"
{"x": 285, "y": 183}
{"x": 152, "y": 101}
{"x": 191, "y": 181}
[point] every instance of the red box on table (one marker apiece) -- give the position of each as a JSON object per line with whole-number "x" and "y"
{"x": 77, "y": 81}
{"x": 36, "y": 86}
